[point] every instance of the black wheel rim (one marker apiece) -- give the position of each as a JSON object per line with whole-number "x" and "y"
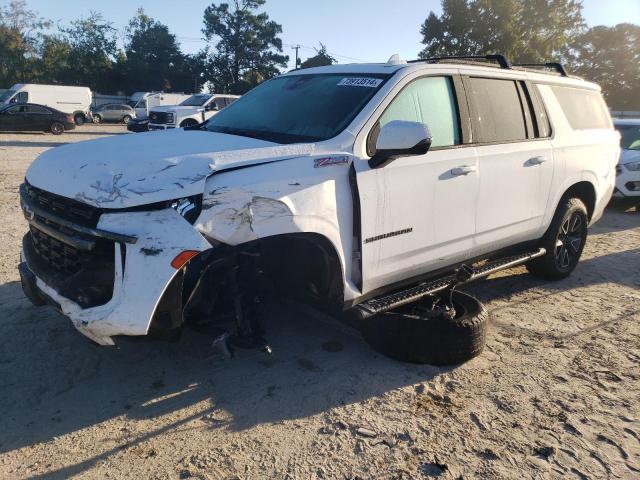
{"x": 570, "y": 241}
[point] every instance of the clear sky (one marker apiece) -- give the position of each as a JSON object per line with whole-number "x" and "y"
{"x": 352, "y": 30}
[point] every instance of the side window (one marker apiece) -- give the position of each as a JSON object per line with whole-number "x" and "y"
{"x": 584, "y": 109}
{"x": 37, "y": 109}
{"x": 14, "y": 110}
{"x": 220, "y": 103}
{"x": 429, "y": 100}
{"x": 497, "y": 110}
{"x": 22, "y": 97}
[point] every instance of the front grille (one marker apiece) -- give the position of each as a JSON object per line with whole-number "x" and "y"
{"x": 158, "y": 117}
{"x": 85, "y": 277}
{"x": 66, "y": 208}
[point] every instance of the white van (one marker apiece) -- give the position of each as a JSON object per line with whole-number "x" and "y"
{"x": 359, "y": 187}
{"x": 143, "y": 102}
{"x": 73, "y": 100}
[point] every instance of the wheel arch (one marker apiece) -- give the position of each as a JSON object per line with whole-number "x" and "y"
{"x": 586, "y": 192}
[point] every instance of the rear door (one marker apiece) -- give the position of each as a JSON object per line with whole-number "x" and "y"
{"x": 37, "y": 117}
{"x": 515, "y": 161}
{"x": 417, "y": 214}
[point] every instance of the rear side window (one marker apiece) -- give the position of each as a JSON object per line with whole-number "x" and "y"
{"x": 584, "y": 109}
{"x": 497, "y": 110}
{"x": 37, "y": 109}
{"x": 429, "y": 100}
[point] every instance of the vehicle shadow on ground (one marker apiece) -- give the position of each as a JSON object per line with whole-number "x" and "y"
{"x": 32, "y": 144}
{"x": 98, "y": 132}
{"x": 54, "y": 382}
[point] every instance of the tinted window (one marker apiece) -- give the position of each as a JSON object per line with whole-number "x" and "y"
{"x": 298, "y": 108}
{"x": 16, "y": 109}
{"x": 584, "y": 109}
{"x": 630, "y": 136}
{"x": 37, "y": 109}
{"x": 497, "y": 110}
{"x": 432, "y": 101}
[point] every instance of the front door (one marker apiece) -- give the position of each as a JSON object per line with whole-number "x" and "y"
{"x": 418, "y": 213}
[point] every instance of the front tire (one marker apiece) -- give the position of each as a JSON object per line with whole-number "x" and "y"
{"x": 57, "y": 128}
{"x": 564, "y": 241}
{"x": 97, "y": 119}
{"x": 188, "y": 123}
{"x": 407, "y": 335}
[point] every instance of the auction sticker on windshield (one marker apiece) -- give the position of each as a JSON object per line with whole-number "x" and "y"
{"x": 360, "y": 82}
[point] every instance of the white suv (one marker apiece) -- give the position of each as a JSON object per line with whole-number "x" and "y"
{"x": 191, "y": 112}
{"x": 628, "y": 179}
{"x": 346, "y": 186}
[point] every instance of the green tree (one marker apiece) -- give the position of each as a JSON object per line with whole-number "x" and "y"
{"x": 610, "y": 56}
{"x": 55, "y": 60}
{"x": 93, "y": 52}
{"x": 523, "y": 30}
{"x": 320, "y": 59}
{"x": 247, "y": 47}
{"x": 20, "y": 34}
{"x": 153, "y": 57}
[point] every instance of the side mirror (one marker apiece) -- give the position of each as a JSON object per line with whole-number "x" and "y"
{"x": 400, "y": 138}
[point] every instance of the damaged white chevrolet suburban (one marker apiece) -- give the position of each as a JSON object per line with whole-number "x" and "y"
{"x": 356, "y": 187}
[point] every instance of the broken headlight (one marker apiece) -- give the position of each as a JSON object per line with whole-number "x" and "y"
{"x": 188, "y": 207}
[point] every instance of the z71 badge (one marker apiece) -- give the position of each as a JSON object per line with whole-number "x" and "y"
{"x": 328, "y": 161}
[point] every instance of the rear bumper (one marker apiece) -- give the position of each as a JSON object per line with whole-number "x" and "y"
{"x": 142, "y": 272}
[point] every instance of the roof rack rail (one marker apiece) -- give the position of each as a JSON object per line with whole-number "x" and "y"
{"x": 557, "y": 66}
{"x": 501, "y": 59}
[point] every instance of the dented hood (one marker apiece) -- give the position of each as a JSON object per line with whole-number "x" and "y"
{"x": 139, "y": 169}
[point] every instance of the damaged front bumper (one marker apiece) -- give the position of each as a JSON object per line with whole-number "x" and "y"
{"x": 140, "y": 273}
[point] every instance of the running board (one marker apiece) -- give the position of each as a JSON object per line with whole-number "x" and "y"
{"x": 394, "y": 300}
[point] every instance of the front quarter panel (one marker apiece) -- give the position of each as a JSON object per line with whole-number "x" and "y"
{"x": 308, "y": 194}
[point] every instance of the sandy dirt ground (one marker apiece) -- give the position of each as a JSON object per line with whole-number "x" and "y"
{"x": 555, "y": 394}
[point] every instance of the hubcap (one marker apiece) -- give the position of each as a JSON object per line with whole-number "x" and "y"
{"x": 569, "y": 241}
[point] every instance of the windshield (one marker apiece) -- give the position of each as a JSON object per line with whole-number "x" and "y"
{"x": 196, "y": 100}
{"x": 300, "y": 108}
{"x": 630, "y": 136}
{"x": 6, "y": 95}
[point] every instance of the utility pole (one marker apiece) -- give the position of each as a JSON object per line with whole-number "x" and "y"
{"x": 296, "y": 48}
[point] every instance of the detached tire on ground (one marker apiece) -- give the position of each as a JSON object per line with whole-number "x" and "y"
{"x": 407, "y": 335}
{"x": 564, "y": 241}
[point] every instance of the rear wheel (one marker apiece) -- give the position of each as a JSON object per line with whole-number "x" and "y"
{"x": 126, "y": 119}
{"x": 57, "y": 128}
{"x": 79, "y": 118}
{"x": 564, "y": 241}
{"x": 97, "y": 119}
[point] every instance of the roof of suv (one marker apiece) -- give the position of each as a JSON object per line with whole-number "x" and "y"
{"x": 480, "y": 67}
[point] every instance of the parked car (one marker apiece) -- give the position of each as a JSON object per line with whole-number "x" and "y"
{"x": 193, "y": 111}
{"x": 138, "y": 125}
{"x": 73, "y": 100}
{"x": 144, "y": 102}
{"x": 628, "y": 178}
{"x": 112, "y": 112}
{"x": 22, "y": 117}
{"x": 351, "y": 187}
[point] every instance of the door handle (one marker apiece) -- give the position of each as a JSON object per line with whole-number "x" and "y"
{"x": 537, "y": 160}
{"x": 464, "y": 170}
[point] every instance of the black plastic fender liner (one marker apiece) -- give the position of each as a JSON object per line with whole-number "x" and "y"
{"x": 408, "y": 335}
